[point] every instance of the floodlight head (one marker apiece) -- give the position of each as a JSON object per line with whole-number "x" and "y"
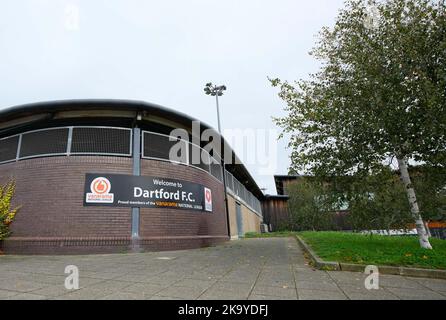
{"x": 212, "y": 90}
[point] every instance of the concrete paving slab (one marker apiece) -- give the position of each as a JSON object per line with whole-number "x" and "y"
{"x": 126, "y": 296}
{"x": 165, "y": 298}
{"x": 27, "y": 296}
{"x": 52, "y": 291}
{"x": 146, "y": 288}
{"x": 416, "y": 294}
{"x": 382, "y": 295}
{"x": 85, "y": 294}
{"x": 239, "y": 287}
{"x": 433, "y": 284}
{"x": 110, "y": 285}
{"x": 317, "y": 285}
{"x": 258, "y": 269}
{"x": 275, "y": 291}
{"x": 307, "y": 294}
{"x": 213, "y": 294}
{"x": 262, "y": 297}
{"x": 395, "y": 281}
{"x": 20, "y": 285}
{"x": 189, "y": 293}
{"x": 4, "y": 294}
{"x": 193, "y": 283}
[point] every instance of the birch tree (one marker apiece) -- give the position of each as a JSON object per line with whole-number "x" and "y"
{"x": 379, "y": 94}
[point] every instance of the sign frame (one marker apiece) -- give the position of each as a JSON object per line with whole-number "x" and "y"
{"x": 120, "y": 190}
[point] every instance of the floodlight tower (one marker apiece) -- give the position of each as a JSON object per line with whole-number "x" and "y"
{"x": 217, "y": 91}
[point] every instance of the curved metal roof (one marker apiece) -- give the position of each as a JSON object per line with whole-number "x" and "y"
{"x": 21, "y": 111}
{"x": 91, "y": 104}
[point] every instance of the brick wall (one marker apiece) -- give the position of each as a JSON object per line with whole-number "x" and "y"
{"x": 54, "y": 220}
{"x": 165, "y": 222}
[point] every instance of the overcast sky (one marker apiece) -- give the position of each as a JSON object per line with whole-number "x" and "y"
{"x": 163, "y": 52}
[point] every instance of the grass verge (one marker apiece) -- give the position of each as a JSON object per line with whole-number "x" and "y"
{"x": 376, "y": 250}
{"x": 282, "y": 234}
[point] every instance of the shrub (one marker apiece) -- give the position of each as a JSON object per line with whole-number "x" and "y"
{"x": 7, "y": 214}
{"x": 311, "y": 206}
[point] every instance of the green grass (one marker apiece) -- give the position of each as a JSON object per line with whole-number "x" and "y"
{"x": 376, "y": 250}
{"x": 284, "y": 234}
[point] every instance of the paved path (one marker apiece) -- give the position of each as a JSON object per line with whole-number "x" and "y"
{"x": 247, "y": 269}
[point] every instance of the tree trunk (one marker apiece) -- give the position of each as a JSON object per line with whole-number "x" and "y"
{"x": 426, "y": 225}
{"x": 414, "y": 209}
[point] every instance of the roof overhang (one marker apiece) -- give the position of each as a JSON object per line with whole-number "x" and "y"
{"x": 21, "y": 115}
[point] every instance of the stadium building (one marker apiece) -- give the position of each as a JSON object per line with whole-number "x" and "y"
{"x": 95, "y": 176}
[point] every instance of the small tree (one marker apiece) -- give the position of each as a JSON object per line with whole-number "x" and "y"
{"x": 380, "y": 94}
{"x": 310, "y": 206}
{"x": 6, "y": 213}
{"x": 377, "y": 202}
{"x": 430, "y": 183}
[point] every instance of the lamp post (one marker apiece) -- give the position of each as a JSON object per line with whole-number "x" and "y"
{"x": 217, "y": 91}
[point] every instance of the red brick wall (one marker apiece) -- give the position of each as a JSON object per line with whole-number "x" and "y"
{"x": 54, "y": 220}
{"x": 165, "y": 222}
{"x": 51, "y": 190}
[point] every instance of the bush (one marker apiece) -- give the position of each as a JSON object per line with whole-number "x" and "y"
{"x": 378, "y": 202}
{"x": 311, "y": 206}
{"x": 371, "y": 200}
{"x": 7, "y": 214}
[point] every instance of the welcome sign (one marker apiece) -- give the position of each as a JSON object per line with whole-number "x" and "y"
{"x": 118, "y": 190}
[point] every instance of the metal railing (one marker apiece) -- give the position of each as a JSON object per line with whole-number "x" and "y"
{"x": 239, "y": 191}
{"x": 65, "y": 141}
{"x": 235, "y": 188}
{"x": 116, "y": 141}
{"x": 166, "y": 142}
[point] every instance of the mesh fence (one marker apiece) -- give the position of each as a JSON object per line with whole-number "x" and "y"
{"x": 198, "y": 158}
{"x": 44, "y": 142}
{"x": 90, "y": 140}
{"x": 216, "y": 171}
{"x": 238, "y": 189}
{"x": 117, "y": 141}
{"x": 160, "y": 147}
{"x": 8, "y": 148}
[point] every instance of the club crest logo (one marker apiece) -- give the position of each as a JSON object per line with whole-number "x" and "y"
{"x": 208, "y": 199}
{"x": 100, "y": 191}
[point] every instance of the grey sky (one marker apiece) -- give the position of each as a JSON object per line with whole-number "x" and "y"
{"x": 162, "y": 52}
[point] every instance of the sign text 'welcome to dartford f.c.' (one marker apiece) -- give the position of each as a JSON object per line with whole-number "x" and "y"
{"x": 138, "y": 191}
